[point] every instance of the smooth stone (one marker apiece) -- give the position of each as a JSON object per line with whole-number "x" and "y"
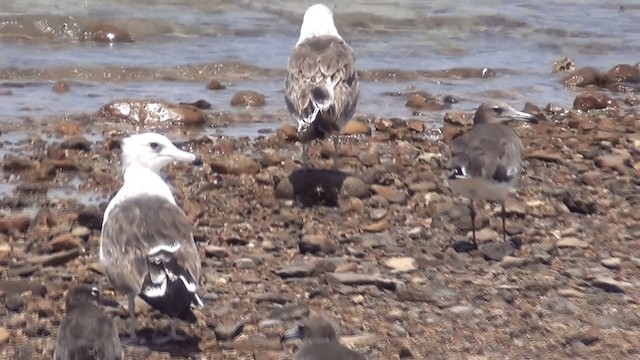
{"x": 228, "y": 331}
{"x": 402, "y": 264}
{"x": 572, "y": 242}
{"x": 612, "y": 263}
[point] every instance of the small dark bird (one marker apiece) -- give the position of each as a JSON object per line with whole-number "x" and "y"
{"x": 321, "y": 87}
{"x": 86, "y": 332}
{"x": 319, "y": 341}
{"x": 486, "y": 162}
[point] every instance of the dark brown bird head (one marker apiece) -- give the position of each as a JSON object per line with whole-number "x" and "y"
{"x": 82, "y": 294}
{"x": 311, "y": 329}
{"x": 496, "y": 112}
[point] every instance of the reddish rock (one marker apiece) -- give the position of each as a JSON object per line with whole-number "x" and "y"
{"x": 13, "y": 224}
{"x": 624, "y": 73}
{"x": 106, "y": 33}
{"x": 583, "y": 77}
{"x": 356, "y": 127}
{"x": 60, "y": 87}
{"x": 287, "y": 132}
{"x": 590, "y": 100}
{"x": 141, "y": 112}
{"x": 248, "y": 98}
{"x": 215, "y": 85}
{"x": 235, "y": 164}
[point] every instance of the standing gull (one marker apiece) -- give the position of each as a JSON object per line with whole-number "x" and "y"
{"x": 86, "y": 332}
{"x": 319, "y": 341}
{"x": 321, "y": 87}
{"x": 486, "y": 162}
{"x": 147, "y": 244}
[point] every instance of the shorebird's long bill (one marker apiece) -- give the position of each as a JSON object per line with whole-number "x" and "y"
{"x": 523, "y": 116}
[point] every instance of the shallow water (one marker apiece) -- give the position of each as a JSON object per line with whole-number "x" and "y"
{"x": 181, "y": 44}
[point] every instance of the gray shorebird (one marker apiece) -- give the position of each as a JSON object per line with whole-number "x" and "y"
{"x": 319, "y": 341}
{"x": 86, "y": 332}
{"x": 321, "y": 87}
{"x": 147, "y": 245}
{"x": 486, "y": 162}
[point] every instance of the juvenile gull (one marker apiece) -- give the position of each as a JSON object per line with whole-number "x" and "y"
{"x": 319, "y": 341}
{"x": 486, "y": 162}
{"x": 321, "y": 87}
{"x": 147, "y": 244}
{"x": 86, "y": 332}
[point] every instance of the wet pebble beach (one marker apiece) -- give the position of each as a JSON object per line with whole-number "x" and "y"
{"x": 381, "y": 246}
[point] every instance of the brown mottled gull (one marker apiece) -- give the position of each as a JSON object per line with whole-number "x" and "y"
{"x": 321, "y": 87}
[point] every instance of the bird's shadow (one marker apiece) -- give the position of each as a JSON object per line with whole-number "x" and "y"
{"x": 317, "y": 186}
{"x": 176, "y": 349}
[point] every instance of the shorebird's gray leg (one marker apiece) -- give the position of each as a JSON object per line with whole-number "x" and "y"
{"x": 504, "y": 227}
{"x": 472, "y": 212}
{"x": 335, "y": 152}
{"x": 173, "y": 335}
{"x": 132, "y": 318}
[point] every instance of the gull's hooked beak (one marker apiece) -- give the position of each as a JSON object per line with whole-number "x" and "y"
{"x": 183, "y": 156}
{"x": 522, "y": 116}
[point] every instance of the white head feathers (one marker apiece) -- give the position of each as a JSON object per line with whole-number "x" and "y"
{"x": 317, "y": 21}
{"x": 152, "y": 151}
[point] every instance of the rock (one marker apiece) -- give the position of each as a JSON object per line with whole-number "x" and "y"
{"x": 256, "y": 343}
{"x": 389, "y": 193}
{"x": 142, "y": 112}
{"x": 354, "y": 187}
{"x": 587, "y": 336}
{"x": 564, "y": 65}
{"x": 416, "y": 125}
{"x": 458, "y": 119}
{"x": 216, "y": 251}
{"x": 228, "y": 331}
{"x": 299, "y": 270}
{"x": 583, "y": 77}
{"x": 14, "y": 302}
{"x": 65, "y": 242}
{"x": 199, "y": 104}
{"x": 589, "y": 101}
{"x": 248, "y": 98}
{"x": 617, "y": 162}
{"x": 215, "y": 85}
{"x": 512, "y": 261}
{"x": 402, "y": 264}
{"x": 15, "y": 224}
{"x": 91, "y": 217}
{"x": 287, "y": 132}
{"x": 236, "y": 164}
{"x": 55, "y": 259}
{"x": 379, "y": 226}
{"x": 106, "y": 33}
{"x": 609, "y": 284}
{"x": 579, "y": 201}
{"x": 623, "y": 73}
{"x": 316, "y": 244}
{"x": 12, "y": 163}
{"x": 612, "y": 263}
{"x": 8, "y": 287}
{"x": 496, "y": 250}
{"x": 4, "y": 335}
{"x": 76, "y": 143}
{"x": 361, "y": 340}
{"x": 377, "y": 214}
{"x": 355, "y": 279}
{"x": 572, "y": 242}
{"x": 356, "y": 127}
{"x": 60, "y": 87}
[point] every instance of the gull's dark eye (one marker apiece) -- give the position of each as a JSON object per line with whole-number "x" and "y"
{"x": 155, "y": 146}
{"x": 498, "y": 110}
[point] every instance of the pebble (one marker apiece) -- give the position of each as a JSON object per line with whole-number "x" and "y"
{"x": 228, "y": 331}
{"x": 215, "y": 85}
{"x": 496, "y": 251}
{"x": 4, "y": 335}
{"x": 376, "y": 227}
{"x": 609, "y": 284}
{"x": 612, "y": 263}
{"x": 589, "y": 101}
{"x": 355, "y": 279}
{"x": 389, "y": 193}
{"x": 572, "y": 242}
{"x": 354, "y": 187}
{"x": 143, "y": 112}
{"x": 401, "y": 264}
{"x": 356, "y": 127}
{"x": 60, "y": 87}
{"x": 317, "y": 244}
{"x": 106, "y": 33}
{"x": 235, "y": 164}
{"x": 512, "y": 261}
{"x": 248, "y": 98}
